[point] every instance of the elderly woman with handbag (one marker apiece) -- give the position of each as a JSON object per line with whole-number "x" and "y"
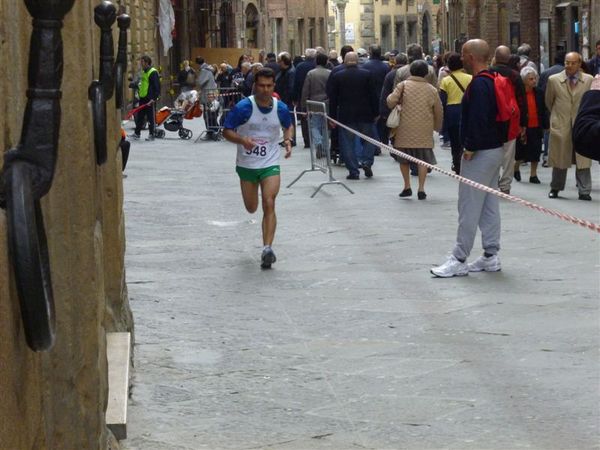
{"x": 420, "y": 114}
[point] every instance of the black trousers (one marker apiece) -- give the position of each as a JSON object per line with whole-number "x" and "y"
{"x": 125, "y": 147}
{"x": 456, "y": 146}
{"x": 305, "y": 132}
{"x": 146, "y": 114}
{"x": 383, "y": 132}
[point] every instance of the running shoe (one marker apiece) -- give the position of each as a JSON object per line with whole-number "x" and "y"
{"x": 486, "y": 264}
{"x": 268, "y": 257}
{"x": 451, "y": 268}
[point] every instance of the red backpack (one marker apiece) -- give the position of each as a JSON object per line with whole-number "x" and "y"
{"x": 508, "y": 108}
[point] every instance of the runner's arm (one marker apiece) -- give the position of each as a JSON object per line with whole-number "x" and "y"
{"x": 287, "y": 141}
{"x": 234, "y": 137}
{"x": 285, "y": 120}
{"x": 239, "y": 115}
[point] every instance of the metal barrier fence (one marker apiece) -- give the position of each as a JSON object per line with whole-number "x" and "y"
{"x": 320, "y": 149}
{"x": 216, "y": 104}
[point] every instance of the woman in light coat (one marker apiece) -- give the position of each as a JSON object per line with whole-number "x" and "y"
{"x": 420, "y": 115}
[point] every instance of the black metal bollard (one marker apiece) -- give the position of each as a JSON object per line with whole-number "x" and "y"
{"x": 29, "y": 170}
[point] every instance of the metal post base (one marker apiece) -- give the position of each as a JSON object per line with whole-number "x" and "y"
{"x": 302, "y": 173}
{"x": 332, "y": 182}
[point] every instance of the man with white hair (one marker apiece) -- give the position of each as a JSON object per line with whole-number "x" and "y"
{"x": 333, "y": 58}
{"x": 302, "y": 70}
{"x": 354, "y": 101}
{"x": 363, "y": 56}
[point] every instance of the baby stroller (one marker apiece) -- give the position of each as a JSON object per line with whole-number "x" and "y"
{"x": 187, "y": 107}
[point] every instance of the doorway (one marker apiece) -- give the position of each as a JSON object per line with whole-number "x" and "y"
{"x": 251, "y": 26}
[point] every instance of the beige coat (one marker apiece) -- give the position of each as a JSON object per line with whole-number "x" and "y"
{"x": 421, "y": 113}
{"x": 563, "y": 104}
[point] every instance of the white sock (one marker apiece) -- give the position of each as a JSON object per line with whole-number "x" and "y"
{"x": 266, "y": 247}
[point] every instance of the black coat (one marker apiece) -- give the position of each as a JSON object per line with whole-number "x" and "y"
{"x": 379, "y": 70}
{"x": 284, "y": 85}
{"x": 586, "y": 129}
{"x": 354, "y": 96}
{"x": 542, "y": 111}
{"x": 273, "y": 66}
{"x": 543, "y": 81}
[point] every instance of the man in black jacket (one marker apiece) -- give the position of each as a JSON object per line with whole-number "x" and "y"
{"x": 271, "y": 62}
{"x": 354, "y": 102}
{"x": 302, "y": 70}
{"x": 379, "y": 70}
{"x": 388, "y": 86}
{"x": 284, "y": 86}
{"x": 502, "y": 55}
{"x": 594, "y": 63}
{"x": 586, "y": 129}
{"x": 335, "y": 141}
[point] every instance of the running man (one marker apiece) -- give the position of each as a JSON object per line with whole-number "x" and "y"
{"x": 254, "y": 124}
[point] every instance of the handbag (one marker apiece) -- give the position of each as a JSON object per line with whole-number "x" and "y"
{"x": 457, "y": 83}
{"x": 393, "y": 120}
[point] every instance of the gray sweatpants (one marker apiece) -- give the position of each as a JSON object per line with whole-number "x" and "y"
{"x": 477, "y": 208}
{"x": 508, "y": 165}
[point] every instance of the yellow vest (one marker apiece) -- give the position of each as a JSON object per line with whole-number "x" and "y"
{"x": 145, "y": 82}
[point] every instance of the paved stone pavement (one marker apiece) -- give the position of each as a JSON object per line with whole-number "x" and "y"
{"x": 349, "y": 342}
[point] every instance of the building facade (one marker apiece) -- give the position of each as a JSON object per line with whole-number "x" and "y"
{"x": 393, "y": 24}
{"x": 402, "y": 22}
{"x": 353, "y": 23}
{"x": 547, "y": 25}
{"x": 244, "y": 25}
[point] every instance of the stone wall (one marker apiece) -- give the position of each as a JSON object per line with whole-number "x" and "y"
{"x": 143, "y": 35}
{"x": 57, "y": 399}
{"x": 594, "y": 23}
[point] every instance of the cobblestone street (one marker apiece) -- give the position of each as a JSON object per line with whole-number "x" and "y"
{"x": 349, "y": 341}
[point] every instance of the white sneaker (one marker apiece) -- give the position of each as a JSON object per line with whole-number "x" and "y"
{"x": 483, "y": 264}
{"x": 451, "y": 268}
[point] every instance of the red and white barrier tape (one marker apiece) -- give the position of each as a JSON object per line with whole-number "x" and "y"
{"x": 131, "y": 113}
{"x": 552, "y": 212}
{"x": 224, "y": 93}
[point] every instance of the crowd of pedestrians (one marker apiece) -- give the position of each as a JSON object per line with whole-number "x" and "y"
{"x": 351, "y": 86}
{"x": 493, "y": 109}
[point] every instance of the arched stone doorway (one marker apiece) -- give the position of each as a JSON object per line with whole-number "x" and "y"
{"x": 425, "y": 32}
{"x": 252, "y": 25}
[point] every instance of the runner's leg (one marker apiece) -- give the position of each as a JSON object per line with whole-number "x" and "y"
{"x": 250, "y": 195}
{"x": 269, "y": 188}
